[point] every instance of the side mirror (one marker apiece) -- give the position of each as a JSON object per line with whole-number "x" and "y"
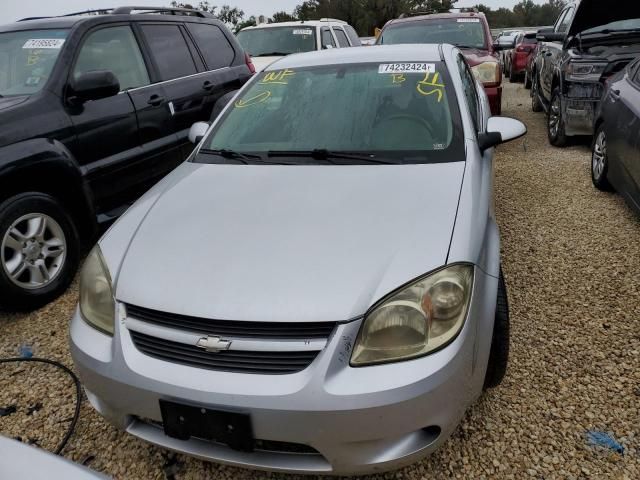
{"x": 328, "y": 47}
{"x": 197, "y": 132}
{"x": 500, "y": 130}
{"x": 548, "y": 35}
{"x": 93, "y": 85}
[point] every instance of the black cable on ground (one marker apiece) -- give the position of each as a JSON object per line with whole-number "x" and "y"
{"x": 76, "y": 414}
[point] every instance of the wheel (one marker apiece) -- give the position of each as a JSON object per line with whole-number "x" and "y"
{"x": 600, "y": 161}
{"x": 527, "y": 80}
{"x": 555, "y": 121}
{"x": 536, "y": 104}
{"x": 513, "y": 77}
{"x": 499, "y": 354}
{"x": 38, "y": 251}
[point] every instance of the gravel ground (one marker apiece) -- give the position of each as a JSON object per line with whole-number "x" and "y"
{"x": 572, "y": 265}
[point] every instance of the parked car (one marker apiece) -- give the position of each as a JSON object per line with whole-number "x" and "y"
{"x": 590, "y": 41}
{"x": 468, "y": 31}
{"x": 616, "y": 147}
{"x": 73, "y": 152}
{"x": 340, "y": 302}
{"x": 268, "y": 42}
{"x": 507, "y": 41}
{"x": 517, "y": 58}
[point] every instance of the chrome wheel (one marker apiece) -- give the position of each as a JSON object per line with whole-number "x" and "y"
{"x": 33, "y": 251}
{"x": 599, "y": 160}
{"x": 554, "y": 116}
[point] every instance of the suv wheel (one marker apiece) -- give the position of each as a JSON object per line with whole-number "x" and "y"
{"x": 38, "y": 251}
{"x": 499, "y": 355}
{"x": 600, "y": 161}
{"x": 536, "y": 104}
{"x": 555, "y": 121}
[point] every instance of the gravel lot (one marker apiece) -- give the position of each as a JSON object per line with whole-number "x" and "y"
{"x": 572, "y": 265}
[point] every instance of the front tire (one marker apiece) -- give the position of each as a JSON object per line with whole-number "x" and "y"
{"x": 39, "y": 250}
{"x": 555, "y": 121}
{"x": 499, "y": 355}
{"x": 600, "y": 161}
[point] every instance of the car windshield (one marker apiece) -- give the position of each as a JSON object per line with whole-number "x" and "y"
{"x": 385, "y": 113}
{"x": 260, "y": 42}
{"x": 463, "y": 32}
{"x": 621, "y": 25}
{"x": 27, "y": 59}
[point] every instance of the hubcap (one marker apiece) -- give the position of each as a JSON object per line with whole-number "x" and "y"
{"x": 554, "y": 116}
{"x": 33, "y": 251}
{"x": 599, "y": 155}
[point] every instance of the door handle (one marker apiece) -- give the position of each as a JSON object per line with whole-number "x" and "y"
{"x": 207, "y": 85}
{"x": 155, "y": 100}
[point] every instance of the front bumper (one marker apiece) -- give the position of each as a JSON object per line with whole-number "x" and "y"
{"x": 580, "y": 103}
{"x": 358, "y": 420}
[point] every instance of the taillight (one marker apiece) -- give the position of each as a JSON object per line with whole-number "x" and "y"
{"x": 252, "y": 67}
{"x": 524, "y": 48}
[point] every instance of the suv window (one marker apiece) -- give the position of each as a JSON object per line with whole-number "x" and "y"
{"x": 353, "y": 36}
{"x": 214, "y": 46}
{"x": 565, "y": 22}
{"x": 469, "y": 86}
{"x": 114, "y": 49}
{"x": 170, "y": 51}
{"x": 327, "y": 38}
{"x": 343, "y": 41}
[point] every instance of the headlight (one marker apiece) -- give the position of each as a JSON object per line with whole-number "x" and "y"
{"x": 417, "y": 320}
{"x": 487, "y": 72}
{"x": 581, "y": 72}
{"x": 97, "y": 306}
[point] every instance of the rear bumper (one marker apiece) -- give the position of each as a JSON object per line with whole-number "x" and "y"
{"x": 519, "y": 64}
{"x": 358, "y": 420}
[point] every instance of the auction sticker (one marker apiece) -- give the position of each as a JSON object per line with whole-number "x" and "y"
{"x": 303, "y": 31}
{"x": 44, "y": 43}
{"x": 468, "y": 20}
{"x": 407, "y": 68}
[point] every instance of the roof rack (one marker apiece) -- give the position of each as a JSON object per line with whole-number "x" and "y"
{"x": 164, "y": 10}
{"x": 99, "y": 11}
{"x": 436, "y": 11}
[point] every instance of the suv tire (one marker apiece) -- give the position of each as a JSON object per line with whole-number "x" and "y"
{"x": 600, "y": 161}
{"x": 536, "y": 104}
{"x": 499, "y": 356}
{"x": 555, "y": 121}
{"x": 38, "y": 251}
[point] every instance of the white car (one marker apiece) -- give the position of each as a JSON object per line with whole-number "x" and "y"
{"x": 318, "y": 288}
{"x": 270, "y": 41}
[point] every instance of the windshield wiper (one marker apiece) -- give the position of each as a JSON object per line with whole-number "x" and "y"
{"x": 231, "y": 154}
{"x": 460, "y": 45}
{"x": 327, "y": 155}
{"x": 272, "y": 54}
{"x": 608, "y": 31}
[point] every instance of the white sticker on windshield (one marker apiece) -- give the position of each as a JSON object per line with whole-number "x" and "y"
{"x": 468, "y": 20}
{"x": 407, "y": 68}
{"x": 44, "y": 43}
{"x": 303, "y": 31}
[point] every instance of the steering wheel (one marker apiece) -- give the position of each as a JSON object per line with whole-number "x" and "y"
{"x": 413, "y": 118}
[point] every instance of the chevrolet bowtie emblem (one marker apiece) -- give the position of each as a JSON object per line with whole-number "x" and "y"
{"x": 213, "y": 344}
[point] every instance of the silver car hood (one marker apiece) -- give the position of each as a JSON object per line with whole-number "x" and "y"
{"x": 288, "y": 243}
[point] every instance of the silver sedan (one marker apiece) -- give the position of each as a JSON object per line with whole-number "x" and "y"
{"x": 318, "y": 288}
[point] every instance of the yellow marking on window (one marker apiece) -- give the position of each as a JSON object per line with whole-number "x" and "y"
{"x": 429, "y": 86}
{"x": 280, "y": 77}
{"x": 259, "y": 98}
{"x": 397, "y": 78}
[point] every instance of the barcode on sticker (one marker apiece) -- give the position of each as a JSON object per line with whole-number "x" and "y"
{"x": 303, "y": 31}
{"x": 44, "y": 43}
{"x": 407, "y": 68}
{"x": 468, "y": 20}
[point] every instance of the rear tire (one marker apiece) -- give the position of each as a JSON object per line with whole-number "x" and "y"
{"x": 600, "y": 161}
{"x": 39, "y": 249}
{"x": 499, "y": 356}
{"x": 513, "y": 77}
{"x": 555, "y": 121}
{"x": 527, "y": 80}
{"x": 536, "y": 104}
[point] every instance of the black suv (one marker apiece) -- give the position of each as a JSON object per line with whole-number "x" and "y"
{"x": 94, "y": 109}
{"x": 590, "y": 41}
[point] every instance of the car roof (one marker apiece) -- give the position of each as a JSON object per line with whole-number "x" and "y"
{"x": 435, "y": 16}
{"x": 355, "y": 55}
{"x": 298, "y": 23}
{"x": 42, "y": 24}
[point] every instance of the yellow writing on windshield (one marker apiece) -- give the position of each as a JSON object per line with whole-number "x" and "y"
{"x": 397, "y": 78}
{"x": 279, "y": 77}
{"x": 430, "y": 86}
{"x": 259, "y": 98}
{"x": 33, "y": 57}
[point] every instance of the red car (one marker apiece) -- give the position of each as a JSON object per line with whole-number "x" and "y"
{"x": 518, "y": 58}
{"x": 469, "y": 31}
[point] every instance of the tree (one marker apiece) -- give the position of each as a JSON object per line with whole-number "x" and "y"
{"x": 282, "y": 17}
{"x": 231, "y": 16}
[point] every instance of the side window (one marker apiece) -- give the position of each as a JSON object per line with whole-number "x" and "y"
{"x": 343, "y": 41}
{"x": 353, "y": 36}
{"x": 469, "y": 87}
{"x": 327, "y": 38}
{"x": 114, "y": 49}
{"x": 213, "y": 45}
{"x": 169, "y": 50}
{"x": 565, "y": 23}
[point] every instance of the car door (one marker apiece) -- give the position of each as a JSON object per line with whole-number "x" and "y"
{"x": 553, "y": 54}
{"x": 109, "y": 146}
{"x": 625, "y": 95}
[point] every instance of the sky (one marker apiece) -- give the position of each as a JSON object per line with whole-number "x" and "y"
{"x": 15, "y": 9}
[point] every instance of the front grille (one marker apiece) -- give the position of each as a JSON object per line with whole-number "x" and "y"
{"x": 230, "y": 328}
{"x": 274, "y": 363}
